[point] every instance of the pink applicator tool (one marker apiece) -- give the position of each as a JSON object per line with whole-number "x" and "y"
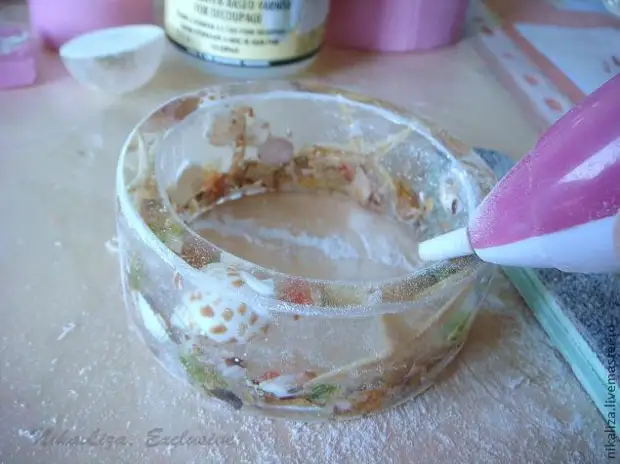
{"x": 559, "y": 207}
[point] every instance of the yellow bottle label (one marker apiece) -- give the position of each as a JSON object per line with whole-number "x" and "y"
{"x": 247, "y": 32}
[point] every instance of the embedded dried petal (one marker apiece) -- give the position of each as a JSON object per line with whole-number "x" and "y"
{"x": 276, "y": 151}
{"x": 186, "y": 107}
{"x": 297, "y": 291}
{"x": 408, "y": 204}
{"x": 428, "y": 205}
{"x": 211, "y": 179}
{"x": 245, "y": 112}
{"x": 347, "y": 172}
{"x": 226, "y": 128}
{"x": 255, "y": 172}
{"x": 268, "y": 376}
{"x": 370, "y": 401}
{"x": 348, "y": 296}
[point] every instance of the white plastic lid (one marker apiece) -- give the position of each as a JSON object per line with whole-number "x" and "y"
{"x": 111, "y": 41}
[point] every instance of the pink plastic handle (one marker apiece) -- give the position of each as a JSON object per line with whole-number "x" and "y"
{"x": 571, "y": 177}
{"x": 18, "y": 63}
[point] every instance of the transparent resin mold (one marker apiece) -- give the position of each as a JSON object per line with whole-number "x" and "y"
{"x": 265, "y": 340}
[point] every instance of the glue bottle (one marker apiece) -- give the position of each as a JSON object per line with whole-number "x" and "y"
{"x": 247, "y": 39}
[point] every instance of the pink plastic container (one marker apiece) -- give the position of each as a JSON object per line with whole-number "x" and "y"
{"x": 58, "y": 21}
{"x": 18, "y": 56}
{"x": 395, "y": 25}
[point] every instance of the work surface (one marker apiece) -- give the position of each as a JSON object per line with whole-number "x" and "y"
{"x": 70, "y": 365}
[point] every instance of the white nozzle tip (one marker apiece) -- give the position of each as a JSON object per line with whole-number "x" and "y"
{"x": 451, "y": 245}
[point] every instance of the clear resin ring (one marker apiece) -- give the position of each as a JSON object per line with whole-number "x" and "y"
{"x": 268, "y": 241}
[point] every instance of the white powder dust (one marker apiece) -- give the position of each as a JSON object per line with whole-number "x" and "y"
{"x": 312, "y": 235}
{"x": 250, "y": 230}
{"x": 66, "y": 330}
{"x": 508, "y": 398}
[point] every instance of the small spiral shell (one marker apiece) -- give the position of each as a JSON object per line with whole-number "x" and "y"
{"x": 217, "y": 310}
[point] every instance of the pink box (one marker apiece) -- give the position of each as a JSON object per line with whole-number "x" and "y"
{"x": 58, "y": 21}
{"x": 395, "y": 25}
{"x": 18, "y": 56}
{"x": 548, "y": 53}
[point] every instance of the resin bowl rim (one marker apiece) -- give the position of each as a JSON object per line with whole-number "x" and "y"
{"x": 451, "y": 147}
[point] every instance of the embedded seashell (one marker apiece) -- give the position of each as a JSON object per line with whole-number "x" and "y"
{"x": 262, "y": 287}
{"x": 449, "y": 195}
{"x": 217, "y": 311}
{"x": 250, "y": 154}
{"x": 152, "y": 321}
{"x": 181, "y": 319}
{"x": 230, "y": 279}
{"x": 232, "y": 260}
{"x": 189, "y": 184}
{"x": 220, "y": 317}
{"x": 276, "y": 151}
{"x": 226, "y": 128}
{"x": 361, "y": 187}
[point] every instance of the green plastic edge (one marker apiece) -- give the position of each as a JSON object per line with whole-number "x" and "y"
{"x": 582, "y": 360}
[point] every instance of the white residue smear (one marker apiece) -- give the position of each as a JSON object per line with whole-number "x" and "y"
{"x": 248, "y": 229}
{"x": 317, "y": 236}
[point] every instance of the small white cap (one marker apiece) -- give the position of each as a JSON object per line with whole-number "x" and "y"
{"x": 451, "y": 245}
{"x": 116, "y": 60}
